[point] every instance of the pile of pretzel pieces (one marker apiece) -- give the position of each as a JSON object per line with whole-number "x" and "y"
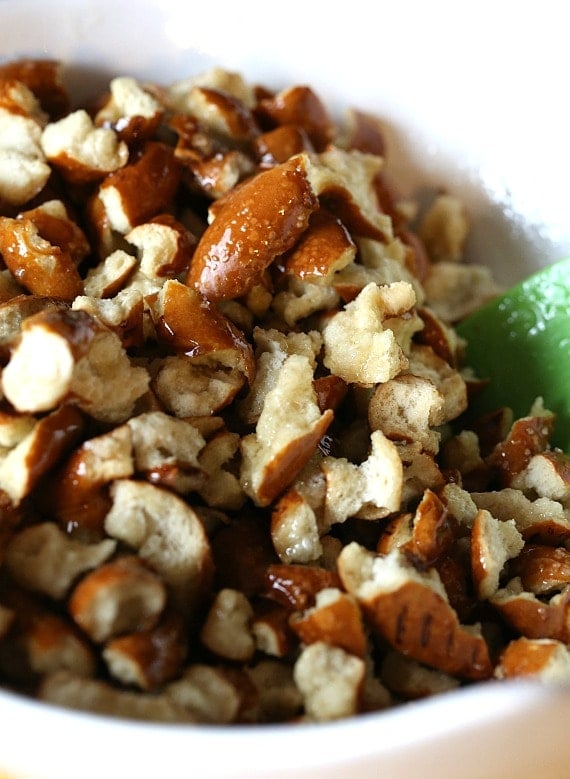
{"x": 238, "y": 483}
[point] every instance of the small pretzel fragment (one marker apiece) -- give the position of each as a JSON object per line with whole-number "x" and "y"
{"x": 411, "y": 611}
{"x": 118, "y": 597}
{"x": 261, "y": 220}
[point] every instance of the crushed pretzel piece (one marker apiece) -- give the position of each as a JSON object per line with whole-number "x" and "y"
{"x": 335, "y": 619}
{"x": 296, "y": 586}
{"x": 287, "y": 432}
{"x": 167, "y": 534}
{"x": 153, "y": 171}
{"x": 271, "y": 629}
{"x": 272, "y": 349}
{"x": 39, "y": 266}
{"x": 109, "y": 276}
{"x": 71, "y": 691}
{"x": 492, "y": 543}
{"x": 532, "y": 617}
{"x": 208, "y": 693}
{"x": 221, "y": 488}
{"x": 408, "y": 408}
{"x": 344, "y": 182}
{"x": 23, "y": 168}
{"x": 131, "y": 111}
{"x": 294, "y": 529}
{"x": 370, "y": 490}
{"x": 51, "y": 644}
{"x": 228, "y": 81}
{"x": 81, "y": 151}
{"x": 238, "y": 246}
{"x": 188, "y": 388}
{"x": 118, "y": 597}
{"x": 324, "y": 249}
{"x": 22, "y": 468}
{"x": 542, "y": 517}
{"x": 411, "y": 611}
{"x": 444, "y": 229}
{"x": 299, "y": 107}
{"x": 547, "y": 474}
{"x": 43, "y": 558}
{"x": 162, "y": 443}
{"x": 280, "y": 700}
{"x": 148, "y": 658}
{"x": 189, "y": 324}
{"x": 164, "y": 247}
{"x": 541, "y": 658}
{"x": 44, "y": 78}
{"x": 454, "y": 290}
{"x": 542, "y": 569}
{"x": 412, "y": 680}
{"x": 78, "y": 359}
{"x": 55, "y": 225}
{"x": 124, "y": 314}
{"x": 360, "y": 346}
{"x": 227, "y": 628}
{"x": 222, "y": 114}
{"x": 330, "y": 680}
{"x": 78, "y": 497}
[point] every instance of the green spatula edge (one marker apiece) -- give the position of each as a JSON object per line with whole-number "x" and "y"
{"x": 521, "y": 342}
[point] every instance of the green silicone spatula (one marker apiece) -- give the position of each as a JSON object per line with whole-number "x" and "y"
{"x": 520, "y": 341}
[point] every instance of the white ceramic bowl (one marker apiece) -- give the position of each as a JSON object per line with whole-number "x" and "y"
{"x": 473, "y": 98}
